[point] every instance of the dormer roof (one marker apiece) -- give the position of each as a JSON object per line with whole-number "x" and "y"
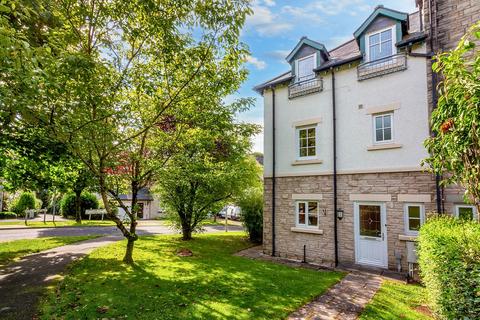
{"x": 380, "y": 11}
{"x": 305, "y": 41}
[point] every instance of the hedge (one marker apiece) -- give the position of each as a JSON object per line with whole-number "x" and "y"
{"x": 26, "y": 201}
{"x": 252, "y": 213}
{"x": 8, "y": 215}
{"x": 67, "y": 204}
{"x": 449, "y": 259}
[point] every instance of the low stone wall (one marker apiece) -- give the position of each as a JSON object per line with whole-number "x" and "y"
{"x": 320, "y": 247}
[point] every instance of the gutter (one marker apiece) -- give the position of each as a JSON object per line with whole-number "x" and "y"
{"x": 335, "y": 199}
{"x": 273, "y": 170}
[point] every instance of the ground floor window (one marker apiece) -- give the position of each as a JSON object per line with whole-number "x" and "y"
{"x": 307, "y": 213}
{"x": 466, "y": 212}
{"x": 414, "y": 218}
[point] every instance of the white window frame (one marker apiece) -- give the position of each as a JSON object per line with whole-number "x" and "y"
{"x": 458, "y": 206}
{"x": 392, "y": 126}
{"x": 307, "y": 213}
{"x": 297, "y": 142}
{"x": 406, "y": 217}
{"x": 367, "y": 40}
{"x": 314, "y": 55}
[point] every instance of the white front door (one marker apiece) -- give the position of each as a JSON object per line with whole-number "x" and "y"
{"x": 371, "y": 234}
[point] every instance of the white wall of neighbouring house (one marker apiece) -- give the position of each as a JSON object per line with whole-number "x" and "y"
{"x": 404, "y": 91}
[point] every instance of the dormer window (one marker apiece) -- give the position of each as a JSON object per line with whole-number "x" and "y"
{"x": 380, "y": 44}
{"x": 305, "y": 68}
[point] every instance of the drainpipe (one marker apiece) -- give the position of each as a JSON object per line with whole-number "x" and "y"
{"x": 335, "y": 202}
{"x": 431, "y": 3}
{"x": 273, "y": 171}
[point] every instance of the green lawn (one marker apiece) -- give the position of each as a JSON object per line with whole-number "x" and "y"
{"x": 397, "y": 300}
{"x": 12, "y": 250}
{"x": 50, "y": 224}
{"x": 211, "y": 284}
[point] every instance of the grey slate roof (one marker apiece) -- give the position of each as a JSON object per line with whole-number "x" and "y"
{"x": 143, "y": 195}
{"x": 350, "y": 52}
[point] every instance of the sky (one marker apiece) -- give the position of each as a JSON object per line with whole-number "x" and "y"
{"x": 276, "y": 26}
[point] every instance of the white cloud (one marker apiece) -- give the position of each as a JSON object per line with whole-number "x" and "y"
{"x": 336, "y": 7}
{"x": 259, "y": 64}
{"x": 265, "y": 22}
{"x": 278, "y": 55}
{"x": 269, "y": 3}
{"x": 302, "y": 13}
{"x": 334, "y": 42}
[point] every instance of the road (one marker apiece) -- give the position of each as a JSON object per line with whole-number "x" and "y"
{"x": 31, "y": 233}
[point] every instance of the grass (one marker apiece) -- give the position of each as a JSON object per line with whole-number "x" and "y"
{"x": 211, "y": 284}
{"x": 397, "y": 300}
{"x": 221, "y": 222}
{"x": 50, "y": 224}
{"x": 12, "y": 250}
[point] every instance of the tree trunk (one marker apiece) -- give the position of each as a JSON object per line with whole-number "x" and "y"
{"x": 128, "y": 259}
{"x": 78, "y": 206}
{"x": 112, "y": 216}
{"x": 186, "y": 232}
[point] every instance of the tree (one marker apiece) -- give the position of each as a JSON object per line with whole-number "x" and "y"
{"x": 212, "y": 167}
{"x": 455, "y": 144}
{"x": 112, "y": 75}
{"x": 251, "y": 202}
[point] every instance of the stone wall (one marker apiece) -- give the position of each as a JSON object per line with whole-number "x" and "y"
{"x": 451, "y": 19}
{"x": 320, "y": 247}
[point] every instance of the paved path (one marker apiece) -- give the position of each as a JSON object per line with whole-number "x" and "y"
{"x": 31, "y": 233}
{"x": 343, "y": 301}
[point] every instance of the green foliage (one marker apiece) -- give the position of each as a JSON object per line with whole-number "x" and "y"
{"x": 211, "y": 284}
{"x": 455, "y": 146}
{"x": 106, "y": 80}
{"x": 395, "y": 300}
{"x": 251, "y": 202}
{"x": 211, "y": 167}
{"x": 67, "y": 204}
{"x": 25, "y": 201}
{"x": 8, "y": 215}
{"x": 449, "y": 258}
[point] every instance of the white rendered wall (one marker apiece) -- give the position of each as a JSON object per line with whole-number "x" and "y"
{"x": 407, "y": 90}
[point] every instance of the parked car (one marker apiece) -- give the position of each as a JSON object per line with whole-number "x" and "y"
{"x": 232, "y": 212}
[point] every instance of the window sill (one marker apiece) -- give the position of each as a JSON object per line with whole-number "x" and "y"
{"x": 404, "y": 237}
{"x": 384, "y": 146}
{"x": 302, "y": 162}
{"x": 306, "y": 230}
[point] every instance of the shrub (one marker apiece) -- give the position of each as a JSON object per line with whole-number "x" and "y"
{"x": 251, "y": 203}
{"x": 26, "y": 201}
{"x": 449, "y": 259}
{"x": 8, "y": 215}
{"x": 67, "y": 204}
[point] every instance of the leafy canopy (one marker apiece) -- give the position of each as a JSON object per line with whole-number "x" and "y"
{"x": 455, "y": 146}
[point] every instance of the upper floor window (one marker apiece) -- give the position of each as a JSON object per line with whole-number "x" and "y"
{"x": 305, "y": 68}
{"x": 466, "y": 212}
{"x": 307, "y": 213}
{"x": 383, "y": 128}
{"x": 380, "y": 44}
{"x": 307, "y": 142}
{"x": 414, "y": 218}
